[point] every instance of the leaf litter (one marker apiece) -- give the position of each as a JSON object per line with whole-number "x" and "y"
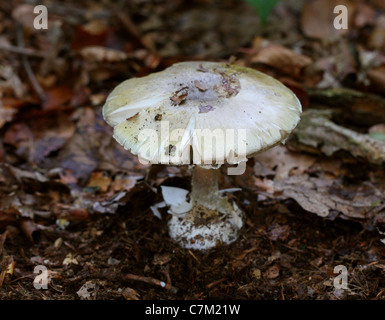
{"x": 69, "y": 193}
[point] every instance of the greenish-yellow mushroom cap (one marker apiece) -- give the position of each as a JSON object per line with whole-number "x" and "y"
{"x": 201, "y": 113}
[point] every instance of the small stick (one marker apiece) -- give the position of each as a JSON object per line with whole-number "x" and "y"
{"x": 245, "y": 253}
{"x": 378, "y": 296}
{"x": 213, "y": 284}
{"x": 150, "y": 280}
{"x": 23, "y": 51}
{"x": 35, "y": 84}
{"x": 166, "y": 271}
{"x": 189, "y": 251}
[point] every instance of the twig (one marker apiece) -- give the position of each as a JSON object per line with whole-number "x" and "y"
{"x": 166, "y": 271}
{"x": 292, "y": 248}
{"x": 282, "y": 293}
{"x": 245, "y": 253}
{"x": 150, "y": 280}
{"x": 31, "y": 76}
{"x": 216, "y": 282}
{"x": 23, "y": 51}
{"x": 378, "y": 296}
{"x": 189, "y": 251}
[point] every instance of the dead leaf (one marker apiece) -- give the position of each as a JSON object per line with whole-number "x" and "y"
{"x": 278, "y": 232}
{"x": 95, "y": 33}
{"x": 111, "y": 204}
{"x": 256, "y": 273}
{"x": 317, "y": 130}
{"x": 205, "y": 109}
{"x": 100, "y": 180}
{"x": 161, "y": 259}
{"x": 8, "y": 267}
{"x": 102, "y": 54}
{"x": 6, "y": 114}
{"x": 30, "y": 229}
{"x": 24, "y": 15}
{"x": 57, "y": 97}
{"x": 200, "y": 86}
{"x": 95, "y": 27}
{"x": 379, "y": 128}
{"x": 282, "y": 163}
{"x": 317, "y": 262}
{"x": 179, "y": 96}
{"x": 88, "y": 290}
{"x": 318, "y": 16}
{"x": 130, "y": 294}
{"x": 11, "y": 83}
{"x": 69, "y": 259}
{"x": 69, "y": 212}
{"x": 314, "y": 195}
{"x": 377, "y": 79}
{"x": 122, "y": 183}
{"x": 282, "y": 59}
{"x": 272, "y": 272}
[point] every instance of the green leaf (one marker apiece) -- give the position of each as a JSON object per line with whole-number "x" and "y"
{"x": 378, "y": 136}
{"x": 263, "y": 7}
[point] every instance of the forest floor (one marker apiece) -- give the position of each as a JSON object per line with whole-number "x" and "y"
{"x": 74, "y": 201}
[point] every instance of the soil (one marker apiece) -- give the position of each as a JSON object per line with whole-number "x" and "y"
{"x": 74, "y": 201}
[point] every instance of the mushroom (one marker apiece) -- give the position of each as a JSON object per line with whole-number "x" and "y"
{"x": 203, "y": 114}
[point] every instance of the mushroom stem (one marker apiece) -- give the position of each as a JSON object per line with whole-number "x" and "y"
{"x": 204, "y": 189}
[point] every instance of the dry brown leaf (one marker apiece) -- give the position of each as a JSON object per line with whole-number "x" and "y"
{"x": 6, "y": 219}
{"x": 88, "y": 290}
{"x": 130, "y": 294}
{"x": 6, "y": 114}
{"x": 30, "y": 229}
{"x": 281, "y": 163}
{"x": 179, "y": 96}
{"x": 205, "y": 108}
{"x": 57, "y": 97}
{"x": 23, "y": 14}
{"x": 377, "y": 79}
{"x": 161, "y": 259}
{"x": 8, "y": 269}
{"x": 95, "y": 27}
{"x": 121, "y": 183}
{"x": 199, "y": 85}
{"x": 282, "y": 59}
{"x": 317, "y": 133}
{"x": 256, "y": 273}
{"x": 317, "y": 195}
{"x": 102, "y": 54}
{"x": 278, "y": 232}
{"x": 272, "y": 272}
{"x": 10, "y": 82}
{"x": 377, "y": 128}
{"x": 317, "y": 19}
{"x": 101, "y": 180}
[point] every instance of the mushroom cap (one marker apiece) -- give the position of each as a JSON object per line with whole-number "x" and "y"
{"x": 221, "y": 113}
